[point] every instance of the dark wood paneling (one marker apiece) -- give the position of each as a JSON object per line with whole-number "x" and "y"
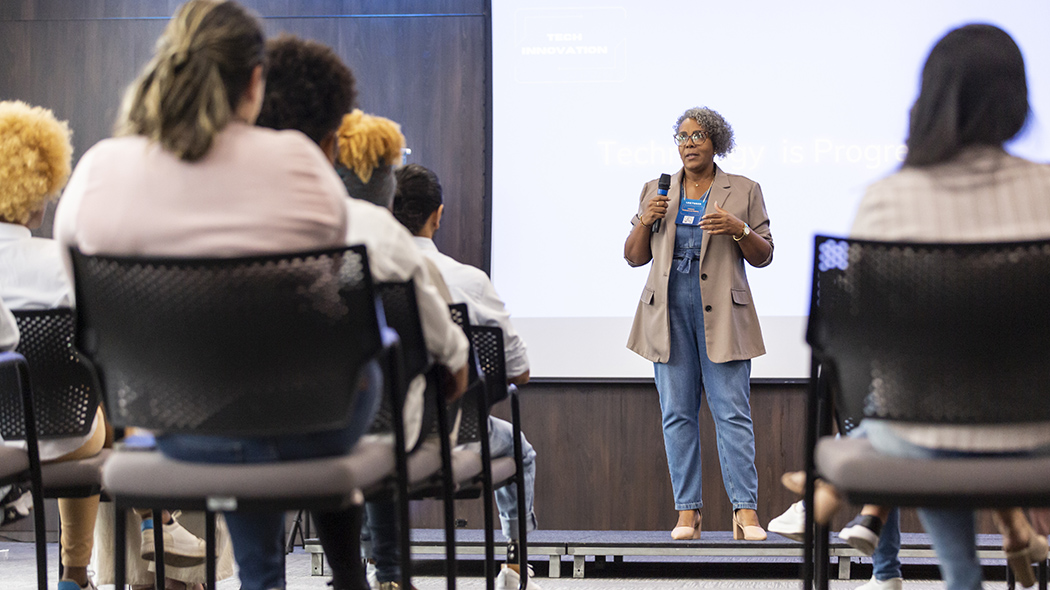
{"x": 425, "y": 72}
{"x": 601, "y": 464}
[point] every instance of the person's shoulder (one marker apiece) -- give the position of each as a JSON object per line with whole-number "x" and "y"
{"x": 265, "y": 140}
{"x": 739, "y": 180}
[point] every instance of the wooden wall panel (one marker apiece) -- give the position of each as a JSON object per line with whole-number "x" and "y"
{"x": 420, "y": 63}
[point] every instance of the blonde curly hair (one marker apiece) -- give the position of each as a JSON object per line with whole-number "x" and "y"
{"x": 367, "y": 142}
{"x": 35, "y": 159}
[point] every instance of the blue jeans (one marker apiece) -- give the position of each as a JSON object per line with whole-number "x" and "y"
{"x": 382, "y": 516}
{"x": 952, "y": 531}
{"x": 886, "y": 562}
{"x": 258, "y": 537}
{"x": 728, "y": 388}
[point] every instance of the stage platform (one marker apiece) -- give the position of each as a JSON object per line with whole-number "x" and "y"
{"x": 602, "y": 546}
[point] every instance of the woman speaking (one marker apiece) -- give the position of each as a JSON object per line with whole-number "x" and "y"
{"x": 696, "y": 321}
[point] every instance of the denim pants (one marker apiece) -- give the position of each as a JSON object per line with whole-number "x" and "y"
{"x": 681, "y": 381}
{"x": 885, "y": 562}
{"x": 952, "y": 531}
{"x": 258, "y": 537}
{"x": 382, "y": 516}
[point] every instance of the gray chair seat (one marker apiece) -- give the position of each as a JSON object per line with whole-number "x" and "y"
{"x": 82, "y": 474}
{"x": 14, "y": 462}
{"x": 865, "y": 475}
{"x": 146, "y": 474}
{"x": 466, "y": 466}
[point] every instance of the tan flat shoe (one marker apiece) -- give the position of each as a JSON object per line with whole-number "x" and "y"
{"x": 685, "y": 533}
{"x": 747, "y": 532}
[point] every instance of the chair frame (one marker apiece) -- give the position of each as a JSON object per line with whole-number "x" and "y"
{"x": 491, "y": 358}
{"x": 824, "y": 393}
{"x": 14, "y": 361}
{"x": 387, "y": 354}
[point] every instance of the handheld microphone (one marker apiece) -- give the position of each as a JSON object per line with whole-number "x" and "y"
{"x": 661, "y": 189}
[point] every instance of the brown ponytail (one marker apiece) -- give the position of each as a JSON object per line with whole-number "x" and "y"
{"x": 202, "y": 67}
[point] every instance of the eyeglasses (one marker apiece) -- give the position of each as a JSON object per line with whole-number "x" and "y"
{"x": 697, "y": 137}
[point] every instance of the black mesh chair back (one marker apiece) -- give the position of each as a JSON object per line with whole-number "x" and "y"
{"x": 469, "y": 425}
{"x": 248, "y": 346}
{"x": 487, "y": 343}
{"x": 64, "y": 392}
{"x": 947, "y": 333}
{"x": 401, "y": 310}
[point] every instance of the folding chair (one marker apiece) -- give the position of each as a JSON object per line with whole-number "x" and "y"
{"x": 251, "y": 346}
{"x": 926, "y": 333}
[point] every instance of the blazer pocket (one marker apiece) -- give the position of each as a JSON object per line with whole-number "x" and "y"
{"x": 647, "y": 295}
{"x": 741, "y": 297}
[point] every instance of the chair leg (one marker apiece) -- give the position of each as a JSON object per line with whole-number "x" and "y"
{"x": 1042, "y": 574}
{"x": 120, "y": 559}
{"x": 823, "y": 557}
{"x": 158, "y": 544}
{"x": 211, "y": 549}
{"x": 448, "y": 492}
{"x": 523, "y": 544}
{"x": 40, "y": 535}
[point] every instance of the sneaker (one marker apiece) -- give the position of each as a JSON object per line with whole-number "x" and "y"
{"x": 392, "y": 586}
{"x": 862, "y": 533}
{"x": 791, "y": 524}
{"x": 509, "y": 579}
{"x": 371, "y": 574}
{"x": 181, "y": 547}
{"x": 15, "y": 504}
{"x": 71, "y": 585}
{"x": 890, "y": 584}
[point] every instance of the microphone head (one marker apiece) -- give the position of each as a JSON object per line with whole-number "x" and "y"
{"x": 664, "y": 184}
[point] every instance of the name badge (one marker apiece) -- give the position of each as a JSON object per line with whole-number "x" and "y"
{"x": 690, "y": 211}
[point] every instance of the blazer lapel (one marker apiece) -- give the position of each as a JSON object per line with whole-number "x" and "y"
{"x": 719, "y": 194}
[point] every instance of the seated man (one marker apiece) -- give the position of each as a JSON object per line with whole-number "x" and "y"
{"x": 317, "y": 110}
{"x": 418, "y": 205}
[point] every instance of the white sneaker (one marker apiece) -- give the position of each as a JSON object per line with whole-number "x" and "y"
{"x": 791, "y": 524}
{"x": 181, "y": 547}
{"x": 370, "y": 574}
{"x": 862, "y": 533}
{"x": 509, "y": 579}
{"x": 890, "y": 584}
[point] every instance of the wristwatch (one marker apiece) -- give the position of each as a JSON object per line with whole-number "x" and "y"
{"x": 747, "y": 230}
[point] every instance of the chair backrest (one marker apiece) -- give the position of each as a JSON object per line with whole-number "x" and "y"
{"x": 237, "y": 346}
{"x": 921, "y": 332}
{"x": 65, "y": 396}
{"x": 475, "y": 397}
{"x": 487, "y": 342}
{"x": 401, "y": 310}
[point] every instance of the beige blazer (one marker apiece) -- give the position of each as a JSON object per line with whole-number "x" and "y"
{"x": 731, "y": 326}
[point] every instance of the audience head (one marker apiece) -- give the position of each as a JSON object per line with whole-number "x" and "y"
{"x": 35, "y": 157}
{"x": 369, "y": 148}
{"x": 206, "y": 72}
{"x": 973, "y": 93}
{"x": 308, "y": 88}
{"x": 417, "y": 202}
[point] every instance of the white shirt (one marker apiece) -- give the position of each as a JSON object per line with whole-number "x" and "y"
{"x": 392, "y": 256}
{"x": 8, "y": 330}
{"x": 31, "y": 271}
{"x": 470, "y": 285}
{"x": 32, "y": 277}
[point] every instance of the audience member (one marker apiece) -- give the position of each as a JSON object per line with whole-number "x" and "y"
{"x": 418, "y": 206}
{"x": 36, "y": 156}
{"x": 190, "y": 175}
{"x": 369, "y": 149}
{"x": 392, "y": 255}
{"x": 959, "y": 184}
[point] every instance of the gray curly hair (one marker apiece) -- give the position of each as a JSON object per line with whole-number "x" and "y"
{"x": 715, "y": 127}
